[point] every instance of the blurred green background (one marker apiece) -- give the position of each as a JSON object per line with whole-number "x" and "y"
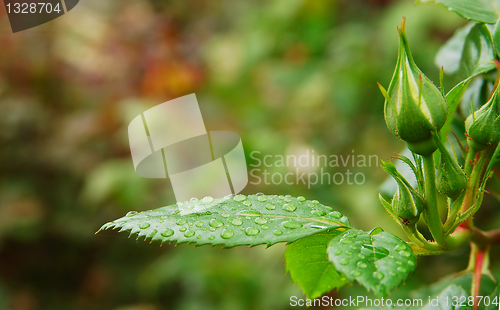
{"x": 286, "y": 75}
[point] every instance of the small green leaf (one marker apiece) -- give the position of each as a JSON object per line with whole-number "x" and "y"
{"x": 447, "y": 299}
{"x": 478, "y": 53}
{"x": 233, "y": 220}
{"x": 482, "y": 11}
{"x": 307, "y": 261}
{"x": 380, "y": 262}
{"x": 450, "y": 53}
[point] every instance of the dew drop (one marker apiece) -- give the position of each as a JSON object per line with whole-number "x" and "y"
{"x": 361, "y": 256}
{"x": 288, "y": 200}
{"x": 260, "y": 221}
{"x": 199, "y": 224}
{"x": 182, "y": 229}
{"x": 227, "y": 233}
{"x": 335, "y": 214}
{"x": 400, "y": 247}
{"x": 181, "y": 222}
{"x": 355, "y": 273}
{"x": 270, "y": 207}
{"x": 378, "y": 275}
{"x": 259, "y": 194}
{"x": 208, "y": 199}
{"x": 204, "y": 228}
{"x": 338, "y": 252}
{"x": 402, "y": 269}
{"x": 237, "y": 222}
{"x": 289, "y": 207}
{"x": 193, "y": 199}
{"x": 252, "y": 231}
{"x": 300, "y": 198}
{"x": 411, "y": 263}
{"x": 189, "y": 233}
{"x": 239, "y": 197}
{"x": 278, "y": 232}
{"x": 362, "y": 265}
{"x": 167, "y": 232}
{"x": 348, "y": 253}
{"x": 131, "y": 213}
{"x": 144, "y": 225}
{"x": 225, "y": 214}
{"x": 247, "y": 203}
{"x": 211, "y": 238}
{"x": 198, "y": 237}
{"x": 212, "y": 229}
{"x": 344, "y": 261}
{"x": 292, "y": 224}
{"x": 405, "y": 253}
{"x": 215, "y": 223}
{"x": 265, "y": 227}
{"x": 262, "y": 198}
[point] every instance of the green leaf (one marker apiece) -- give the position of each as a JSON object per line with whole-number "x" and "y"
{"x": 496, "y": 37}
{"x": 233, "y": 220}
{"x": 450, "y": 54}
{"x": 446, "y": 299}
{"x": 482, "y": 11}
{"x": 378, "y": 261}
{"x": 477, "y": 56}
{"x": 478, "y": 53}
{"x": 307, "y": 261}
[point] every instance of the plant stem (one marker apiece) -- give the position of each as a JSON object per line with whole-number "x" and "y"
{"x": 431, "y": 212}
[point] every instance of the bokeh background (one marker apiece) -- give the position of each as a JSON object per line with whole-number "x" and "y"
{"x": 286, "y": 75}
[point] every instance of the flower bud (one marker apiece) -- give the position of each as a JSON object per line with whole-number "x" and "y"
{"x": 407, "y": 203}
{"x": 483, "y": 126}
{"x": 414, "y": 106}
{"x": 451, "y": 179}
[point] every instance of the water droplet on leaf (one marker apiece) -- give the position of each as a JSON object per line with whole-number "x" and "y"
{"x": 215, "y": 223}
{"x": 227, "y": 233}
{"x": 239, "y": 198}
{"x": 278, "y": 232}
{"x": 208, "y": 199}
{"x": 167, "y": 233}
{"x": 270, "y": 207}
{"x": 292, "y": 224}
{"x": 251, "y": 231}
{"x": 260, "y": 221}
{"x": 144, "y": 225}
{"x": 237, "y": 222}
{"x": 289, "y": 207}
